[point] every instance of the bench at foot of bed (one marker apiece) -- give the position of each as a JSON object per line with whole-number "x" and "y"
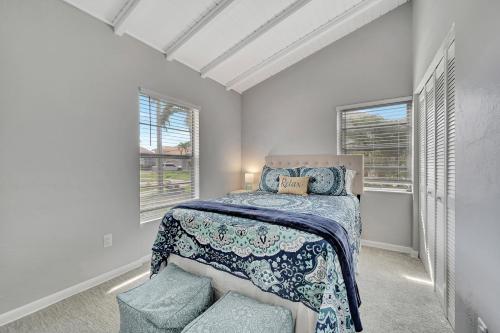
{"x": 238, "y": 313}
{"x": 166, "y": 303}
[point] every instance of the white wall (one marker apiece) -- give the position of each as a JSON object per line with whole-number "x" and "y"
{"x": 69, "y": 145}
{"x": 294, "y": 111}
{"x": 478, "y": 138}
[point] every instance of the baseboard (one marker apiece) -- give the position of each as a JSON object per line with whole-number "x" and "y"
{"x": 390, "y": 247}
{"x": 41, "y": 303}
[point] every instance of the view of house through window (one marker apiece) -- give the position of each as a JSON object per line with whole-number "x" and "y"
{"x": 168, "y": 142}
{"x": 383, "y": 134}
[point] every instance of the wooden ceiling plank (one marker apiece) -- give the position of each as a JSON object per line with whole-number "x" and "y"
{"x": 186, "y": 35}
{"x": 292, "y": 8}
{"x": 343, "y": 18}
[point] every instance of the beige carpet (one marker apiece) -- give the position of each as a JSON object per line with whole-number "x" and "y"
{"x": 394, "y": 289}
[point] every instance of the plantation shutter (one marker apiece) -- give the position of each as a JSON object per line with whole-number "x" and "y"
{"x": 450, "y": 188}
{"x": 381, "y": 133}
{"x": 169, "y": 154}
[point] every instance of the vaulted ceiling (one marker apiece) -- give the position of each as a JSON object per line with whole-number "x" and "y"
{"x": 237, "y": 43}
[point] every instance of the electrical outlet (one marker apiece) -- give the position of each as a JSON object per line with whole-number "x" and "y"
{"x": 481, "y": 326}
{"x": 108, "y": 240}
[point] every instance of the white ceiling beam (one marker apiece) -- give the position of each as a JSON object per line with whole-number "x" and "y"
{"x": 186, "y": 35}
{"x": 328, "y": 26}
{"x": 120, "y": 20}
{"x": 295, "y": 6}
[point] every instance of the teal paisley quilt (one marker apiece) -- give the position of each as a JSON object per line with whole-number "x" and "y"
{"x": 293, "y": 264}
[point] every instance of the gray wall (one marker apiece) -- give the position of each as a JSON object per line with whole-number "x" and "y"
{"x": 478, "y": 136}
{"x": 294, "y": 111}
{"x": 69, "y": 145}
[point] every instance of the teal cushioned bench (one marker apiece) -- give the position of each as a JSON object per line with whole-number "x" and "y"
{"x": 166, "y": 303}
{"x": 237, "y": 313}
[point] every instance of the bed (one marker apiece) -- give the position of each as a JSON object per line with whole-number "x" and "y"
{"x": 230, "y": 240}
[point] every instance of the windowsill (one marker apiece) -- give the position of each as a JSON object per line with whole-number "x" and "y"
{"x": 168, "y": 208}
{"x": 383, "y": 190}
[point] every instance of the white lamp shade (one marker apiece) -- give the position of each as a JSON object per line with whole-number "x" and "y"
{"x": 248, "y": 178}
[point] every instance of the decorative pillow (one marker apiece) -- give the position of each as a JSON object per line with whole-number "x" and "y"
{"x": 349, "y": 179}
{"x": 269, "y": 180}
{"x": 293, "y": 185}
{"x": 327, "y": 181}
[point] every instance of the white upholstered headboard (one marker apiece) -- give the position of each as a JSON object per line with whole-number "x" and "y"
{"x": 353, "y": 162}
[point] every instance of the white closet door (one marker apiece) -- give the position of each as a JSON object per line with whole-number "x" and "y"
{"x": 430, "y": 175}
{"x": 422, "y": 180}
{"x": 436, "y": 170}
{"x": 450, "y": 188}
{"x": 440, "y": 214}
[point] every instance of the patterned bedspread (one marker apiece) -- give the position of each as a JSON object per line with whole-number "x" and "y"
{"x": 292, "y": 264}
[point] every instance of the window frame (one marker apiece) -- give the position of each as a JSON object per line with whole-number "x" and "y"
{"x": 195, "y": 147}
{"x": 380, "y": 103}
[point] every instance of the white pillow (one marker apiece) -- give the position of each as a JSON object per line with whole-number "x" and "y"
{"x": 349, "y": 178}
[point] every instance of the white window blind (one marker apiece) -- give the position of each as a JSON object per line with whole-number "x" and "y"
{"x": 382, "y": 133}
{"x": 169, "y": 154}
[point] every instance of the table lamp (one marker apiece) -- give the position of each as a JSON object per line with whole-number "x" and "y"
{"x": 248, "y": 181}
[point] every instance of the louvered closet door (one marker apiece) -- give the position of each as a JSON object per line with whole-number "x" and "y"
{"x": 430, "y": 175}
{"x": 450, "y": 195}
{"x": 440, "y": 214}
{"x": 436, "y": 140}
{"x": 421, "y": 171}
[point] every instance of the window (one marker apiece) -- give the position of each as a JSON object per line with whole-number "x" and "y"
{"x": 382, "y": 132}
{"x": 169, "y": 154}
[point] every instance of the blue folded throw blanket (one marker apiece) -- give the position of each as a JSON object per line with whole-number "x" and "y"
{"x": 330, "y": 230}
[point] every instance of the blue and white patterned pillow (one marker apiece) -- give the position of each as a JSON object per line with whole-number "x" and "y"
{"x": 269, "y": 180}
{"x": 327, "y": 181}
